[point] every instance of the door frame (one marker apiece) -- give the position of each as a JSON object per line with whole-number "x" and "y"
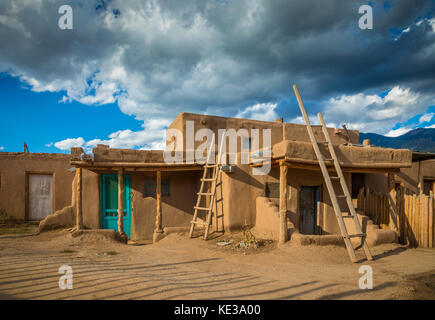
{"x": 318, "y": 200}
{"x": 127, "y": 189}
{"x": 26, "y": 193}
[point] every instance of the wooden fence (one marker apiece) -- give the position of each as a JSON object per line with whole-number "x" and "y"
{"x": 415, "y": 214}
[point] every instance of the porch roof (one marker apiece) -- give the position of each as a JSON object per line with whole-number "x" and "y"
{"x": 299, "y": 154}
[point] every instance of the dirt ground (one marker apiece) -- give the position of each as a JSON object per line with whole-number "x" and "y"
{"x": 182, "y": 268}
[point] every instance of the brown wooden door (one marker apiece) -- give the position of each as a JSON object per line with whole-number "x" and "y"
{"x": 309, "y": 197}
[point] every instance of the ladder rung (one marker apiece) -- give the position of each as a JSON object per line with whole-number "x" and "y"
{"x": 199, "y": 222}
{"x": 334, "y": 177}
{"x": 358, "y": 235}
{"x": 210, "y": 165}
{"x": 347, "y": 216}
{"x": 205, "y": 193}
{"x": 207, "y": 179}
{"x": 341, "y": 196}
{"x": 201, "y": 208}
{"x": 329, "y": 159}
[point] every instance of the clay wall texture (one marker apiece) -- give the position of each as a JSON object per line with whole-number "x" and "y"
{"x": 14, "y": 170}
{"x": 177, "y": 208}
{"x": 279, "y": 131}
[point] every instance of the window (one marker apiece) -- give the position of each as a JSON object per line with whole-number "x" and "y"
{"x": 151, "y": 185}
{"x": 272, "y": 189}
{"x": 358, "y": 182}
{"x": 428, "y": 186}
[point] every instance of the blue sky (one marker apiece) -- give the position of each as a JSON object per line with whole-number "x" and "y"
{"x": 39, "y": 119}
{"x": 129, "y": 67}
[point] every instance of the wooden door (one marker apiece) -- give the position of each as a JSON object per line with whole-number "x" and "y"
{"x": 40, "y": 196}
{"x": 309, "y": 197}
{"x": 109, "y": 202}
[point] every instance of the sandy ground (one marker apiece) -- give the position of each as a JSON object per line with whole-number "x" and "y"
{"x": 182, "y": 268}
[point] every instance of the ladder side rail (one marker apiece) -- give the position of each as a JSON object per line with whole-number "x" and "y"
{"x": 344, "y": 187}
{"x": 325, "y": 173}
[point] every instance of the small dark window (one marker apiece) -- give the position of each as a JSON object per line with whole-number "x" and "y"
{"x": 150, "y": 187}
{"x": 272, "y": 189}
{"x": 358, "y": 182}
{"x": 428, "y": 186}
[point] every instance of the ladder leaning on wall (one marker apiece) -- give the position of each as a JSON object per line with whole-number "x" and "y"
{"x": 209, "y": 179}
{"x": 332, "y": 194}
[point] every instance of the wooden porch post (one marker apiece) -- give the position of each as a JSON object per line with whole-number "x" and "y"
{"x": 158, "y": 231}
{"x": 392, "y": 200}
{"x": 79, "y": 210}
{"x": 283, "y": 231}
{"x": 159, "y": 202}
{"x": 120, "y": 202}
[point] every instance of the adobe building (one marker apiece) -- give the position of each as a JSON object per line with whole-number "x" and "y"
{"x": 34, "y": 185}
{"x": 159, "y": 197}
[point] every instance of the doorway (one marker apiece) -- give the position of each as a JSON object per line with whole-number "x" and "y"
{"x": 109, "y": 202}
{"x": 40, "y": 191}
{"x": 309, "y": 199}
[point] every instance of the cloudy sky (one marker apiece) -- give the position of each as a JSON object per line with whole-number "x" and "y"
{"x": 127, "y": 68}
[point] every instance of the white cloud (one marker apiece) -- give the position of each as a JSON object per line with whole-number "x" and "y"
{"x": 431, "y": 126}
{"x": 69, "y": 143}
{"x": 397, "y": 132}
{"x": 2, "y": 148}
{"x": 261, "y": 111}
{"x": 151, "y": 137}
{"x": 426, "y": 117}
{"x": 373, "y": 113}
{"x": 48, "y": 145}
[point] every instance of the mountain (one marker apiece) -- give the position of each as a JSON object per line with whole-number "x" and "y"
{"x": 420, "y": 139}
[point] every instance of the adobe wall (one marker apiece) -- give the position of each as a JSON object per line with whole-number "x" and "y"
{"x": 279, "y": 131}
{"x": 14, "y": 167}
{"x": 241, "y": 189}
{"x": 103, "y": 153}
{"x": 177, "y": 208}
{"x": 408, "y": 177}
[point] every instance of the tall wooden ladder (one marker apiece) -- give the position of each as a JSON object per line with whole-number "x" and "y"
{"x": 332, "y": 193}
{"x": 207, "y": 189}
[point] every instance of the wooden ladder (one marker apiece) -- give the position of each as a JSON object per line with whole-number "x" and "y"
{"x": 328, "y": 180}
{"x": 209, "y": 180}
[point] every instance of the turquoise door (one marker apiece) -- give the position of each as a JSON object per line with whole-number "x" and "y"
{"x": 109, "y": 202}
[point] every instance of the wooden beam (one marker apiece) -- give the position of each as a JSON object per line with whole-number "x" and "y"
{"x": 120, "y": 202}
{"x": 159, "y": 228}
{"x": 315, "y": 167}
{"x": 392, "y": 201}
{"x": 138, "y": 165}
{"x": 79, "y": 208}
{"x": 283, "y": 229}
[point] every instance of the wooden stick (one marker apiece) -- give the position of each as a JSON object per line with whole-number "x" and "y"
{"x": 283, "y": 230}
{"x": 120, "y": 202}
{"x": 159, "y": 202}
{"x": 431, "y": 220}
{"x": 79, "y": 208}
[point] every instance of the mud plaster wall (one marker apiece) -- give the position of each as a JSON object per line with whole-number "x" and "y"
{"x": 14, "y": 168}
{"x": 177, "y": 208}
{"x": 408, "y": 177}
{"x": 241, "y": 189}
{"x": 279, "y": 131}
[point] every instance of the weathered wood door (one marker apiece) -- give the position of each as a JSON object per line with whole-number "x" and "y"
{"x": 40, "y": 196}
{"x": 109, "y": 202}
{"x": 309, "y": 197}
